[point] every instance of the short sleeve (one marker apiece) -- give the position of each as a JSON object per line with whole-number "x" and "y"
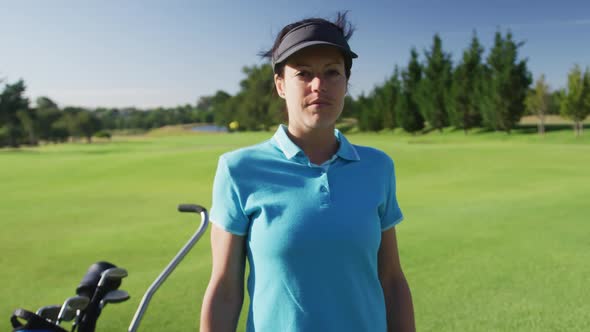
{"x": 226, "y": 209}
{"x": 391, "y": 213}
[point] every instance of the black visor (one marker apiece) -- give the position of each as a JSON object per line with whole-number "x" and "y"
{"x": 311, "y": 34}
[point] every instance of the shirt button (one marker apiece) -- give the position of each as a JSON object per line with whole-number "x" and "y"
{"x": 323, "y": 189}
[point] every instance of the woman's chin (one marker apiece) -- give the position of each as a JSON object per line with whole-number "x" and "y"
{"x": 321, "y": 123}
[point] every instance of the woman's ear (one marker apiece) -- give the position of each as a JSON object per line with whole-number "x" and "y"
{"x": 280, "y": 85}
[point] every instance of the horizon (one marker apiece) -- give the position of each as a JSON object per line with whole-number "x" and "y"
{"x": 150, "y": 54}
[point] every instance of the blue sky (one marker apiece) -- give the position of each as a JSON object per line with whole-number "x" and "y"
{"x": 166, "y": 53}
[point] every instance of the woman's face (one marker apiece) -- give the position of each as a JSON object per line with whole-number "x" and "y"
{"x": 313, "y": 85}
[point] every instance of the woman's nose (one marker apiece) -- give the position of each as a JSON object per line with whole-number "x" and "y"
{"x": 318, "y": 83}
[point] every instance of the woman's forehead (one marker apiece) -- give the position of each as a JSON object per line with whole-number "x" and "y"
{"x": 324, "y": 55}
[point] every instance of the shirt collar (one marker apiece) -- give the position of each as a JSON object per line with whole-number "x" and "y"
{"x": 290, "y": 149}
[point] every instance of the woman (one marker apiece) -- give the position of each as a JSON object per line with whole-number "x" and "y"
{"x": 313, "y": 214}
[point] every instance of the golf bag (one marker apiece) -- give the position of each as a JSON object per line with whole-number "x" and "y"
{"x": 89, "y": 287}
{"x": 34, "y": 322}
{"x": 98, "y": 287}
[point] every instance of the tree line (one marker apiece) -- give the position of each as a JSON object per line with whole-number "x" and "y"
{"x": 22, "y": 124}
{"x": 491, "y": 92}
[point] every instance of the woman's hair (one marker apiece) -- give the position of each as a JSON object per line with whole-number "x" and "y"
{"x": 341, "y": 24}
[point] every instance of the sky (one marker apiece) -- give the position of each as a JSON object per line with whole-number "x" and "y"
{"x": 146, "y": 54}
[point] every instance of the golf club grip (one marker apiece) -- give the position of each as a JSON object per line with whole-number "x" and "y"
{"x": 190, "y": 208}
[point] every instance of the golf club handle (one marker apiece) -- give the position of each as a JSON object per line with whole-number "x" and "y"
{"x": 168, "y": 270}
{"x": 191, "y": 208}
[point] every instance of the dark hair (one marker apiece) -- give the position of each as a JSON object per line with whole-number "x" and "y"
{"x": 341, "y": 24}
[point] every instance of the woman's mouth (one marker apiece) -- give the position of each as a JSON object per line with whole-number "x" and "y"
{"x": 319, "y": 103}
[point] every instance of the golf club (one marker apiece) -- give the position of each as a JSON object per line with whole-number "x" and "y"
{"x": 71, "y": 304}
{"x": 115, "y": 296}
{"x": 110, "y": 279}
{"x": 49, "y": 312}
{"x": 112, "y": 273}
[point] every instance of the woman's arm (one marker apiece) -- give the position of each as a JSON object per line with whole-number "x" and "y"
{"x": 398, "y": 299}
{"x": 223, "y": 299}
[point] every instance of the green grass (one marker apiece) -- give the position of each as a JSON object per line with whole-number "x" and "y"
{"x": 495, "y": 236}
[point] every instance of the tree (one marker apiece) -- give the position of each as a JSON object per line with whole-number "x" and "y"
{"x": 47, "y": 113}
{"x": 509, "y": 80}
{"x": 12, "y": 101}
{"x": 379, "y": 104}
{"x": 29, "y": 125}
{"x": 259, "y": 107}
{"x": 555, "y": 102}
{"x": 350, "y": 109}
{"x": 466, "y": 89}
{"x": 71, "y": 120}
{"x": 391, "y": 93}
{"x": 575, "y": 103}
{"x": 226, "y": 111}
{"x": 538, "y": 102}
{"x": 88, "y": 124}
{"x": 217, "y": 109}
{"x": 408, "y": 109}
{"x": 108, "y": 117}
{"x": 434, "y": 94}
{"x": 364, "y": 105}
{"x": 377, "y": 111}
{"x": 382, "y": 107}
{"x": 59, "y": 130}
{"x": 134, "y": 118}
{"x": 205, "y": 103}
{"x": 155, "y": 119}
{"x": 45, "y": 103}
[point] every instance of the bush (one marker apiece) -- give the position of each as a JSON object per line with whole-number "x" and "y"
{"x": 3, "y": 136}
{"x": 102, "y": 134}
{"x": 346, "y": 125}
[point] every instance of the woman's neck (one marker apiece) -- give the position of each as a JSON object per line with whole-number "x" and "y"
{"x": 319, "y": 145}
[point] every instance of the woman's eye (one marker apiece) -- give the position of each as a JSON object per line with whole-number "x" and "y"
{"x": 333, "y": 72}
{"x": 303, "y": 74}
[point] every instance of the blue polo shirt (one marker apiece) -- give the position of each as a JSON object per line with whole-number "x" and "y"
{"x": 313, "y": 232}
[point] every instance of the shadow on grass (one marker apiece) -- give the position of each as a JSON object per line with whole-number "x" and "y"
{"x": 26, "y": 150}
{"x": 524, "y": 129}
{"x": 533, "y": 129}
{"x": 80, "y": 148}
